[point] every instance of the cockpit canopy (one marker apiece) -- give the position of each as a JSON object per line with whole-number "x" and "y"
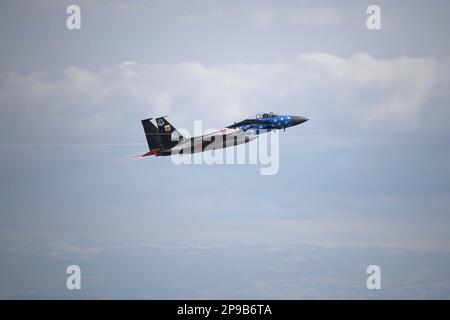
{"x": 266, "y": 115}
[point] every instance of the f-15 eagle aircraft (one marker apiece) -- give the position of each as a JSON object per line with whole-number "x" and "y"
{"x": 163, "y": 139}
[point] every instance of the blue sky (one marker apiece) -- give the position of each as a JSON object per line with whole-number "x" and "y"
{"x": 365, "y": 181}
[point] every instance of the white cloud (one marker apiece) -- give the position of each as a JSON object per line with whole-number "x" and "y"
{"x": 360, "y": 92}
{"x": 396, "y": 90}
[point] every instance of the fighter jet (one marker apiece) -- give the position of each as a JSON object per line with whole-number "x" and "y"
{"x": 164, "y": 140}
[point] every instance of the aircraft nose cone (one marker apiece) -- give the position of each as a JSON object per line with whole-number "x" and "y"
{"x": 298, "y": 119}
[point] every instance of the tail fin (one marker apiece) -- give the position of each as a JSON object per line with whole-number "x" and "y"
{"x": 152, "y": 134}
{"x": 169, "y": 135}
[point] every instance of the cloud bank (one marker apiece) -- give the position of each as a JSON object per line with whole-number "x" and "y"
{"x": 356, "y": 93}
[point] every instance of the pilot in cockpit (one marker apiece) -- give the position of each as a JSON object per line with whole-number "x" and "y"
{"x": 266, "y": 115}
